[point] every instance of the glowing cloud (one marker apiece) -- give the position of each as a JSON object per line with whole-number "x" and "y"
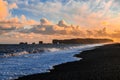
{"x": 3, "y": 9}
{"x": 90, "y": 18}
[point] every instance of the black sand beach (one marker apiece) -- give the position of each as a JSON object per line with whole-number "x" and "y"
{"x": 102, "y": 63}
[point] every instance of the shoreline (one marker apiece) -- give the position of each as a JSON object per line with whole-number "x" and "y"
{"x": 97, "y": 64}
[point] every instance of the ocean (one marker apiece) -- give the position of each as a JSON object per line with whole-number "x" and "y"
{"x": 21, "y": 60}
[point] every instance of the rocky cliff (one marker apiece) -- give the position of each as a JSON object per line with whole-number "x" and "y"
{"x": 81, "y": 41}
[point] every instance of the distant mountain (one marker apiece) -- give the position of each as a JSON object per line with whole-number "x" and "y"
{"x": 81, "y": 41}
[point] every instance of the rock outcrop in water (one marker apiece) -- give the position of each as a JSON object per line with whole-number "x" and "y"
{"x": 23, "y": 43}
{"x": 81, "y": 41}
{"x": 40, "y": 42}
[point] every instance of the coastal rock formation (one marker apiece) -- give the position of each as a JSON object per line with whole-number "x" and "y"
{"x": 40, "y": 42}
{"x": 81, "y": 41}
{"x": 23, "y": 43}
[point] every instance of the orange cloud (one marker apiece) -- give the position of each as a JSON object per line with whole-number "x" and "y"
{"x": 16, "y": 22}
{"x": 9, "y": 23}
{"x": 92, "y": 25}
{"x": 3, "y": 9}
{"x": 63, "y": 29}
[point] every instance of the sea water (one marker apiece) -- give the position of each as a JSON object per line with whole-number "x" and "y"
{"x": 25, "y": 62}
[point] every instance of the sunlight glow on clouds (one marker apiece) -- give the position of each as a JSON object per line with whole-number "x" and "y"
{"x": 3, "y": 9}
{"x": 31, "y": 19}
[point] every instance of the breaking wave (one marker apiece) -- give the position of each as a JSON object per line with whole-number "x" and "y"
{"x": 44, "y": 50}
{"x": 33, "y": 51}
{"x": 38, "y": 60}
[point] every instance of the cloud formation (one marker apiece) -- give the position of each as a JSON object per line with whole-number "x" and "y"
{"x": 48, "y": 28}
{"x": 63, "y": 19}
{"x": 9, "y": 23}
{"x": 62, "y": 28}
{"x": 3, "y": 9}
{"x": 88, "y": 13}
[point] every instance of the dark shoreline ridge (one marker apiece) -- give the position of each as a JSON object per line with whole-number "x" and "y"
{"x": 82, "y": 41}
{"x": 102, "y": 63}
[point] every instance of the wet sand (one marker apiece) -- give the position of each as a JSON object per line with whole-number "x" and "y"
{"x": 102, "y": 63}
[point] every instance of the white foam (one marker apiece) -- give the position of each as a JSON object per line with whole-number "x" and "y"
{"x": 15, "y": 54}
{"x": 26, "y": 64}
{"x": 52, "y": 49}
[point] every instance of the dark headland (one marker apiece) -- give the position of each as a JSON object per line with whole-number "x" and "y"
{"x": 81, "y": 41}
{"x": 102, "y": 63}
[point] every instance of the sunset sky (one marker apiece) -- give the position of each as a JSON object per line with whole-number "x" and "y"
{"x": 36, "y": 20}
